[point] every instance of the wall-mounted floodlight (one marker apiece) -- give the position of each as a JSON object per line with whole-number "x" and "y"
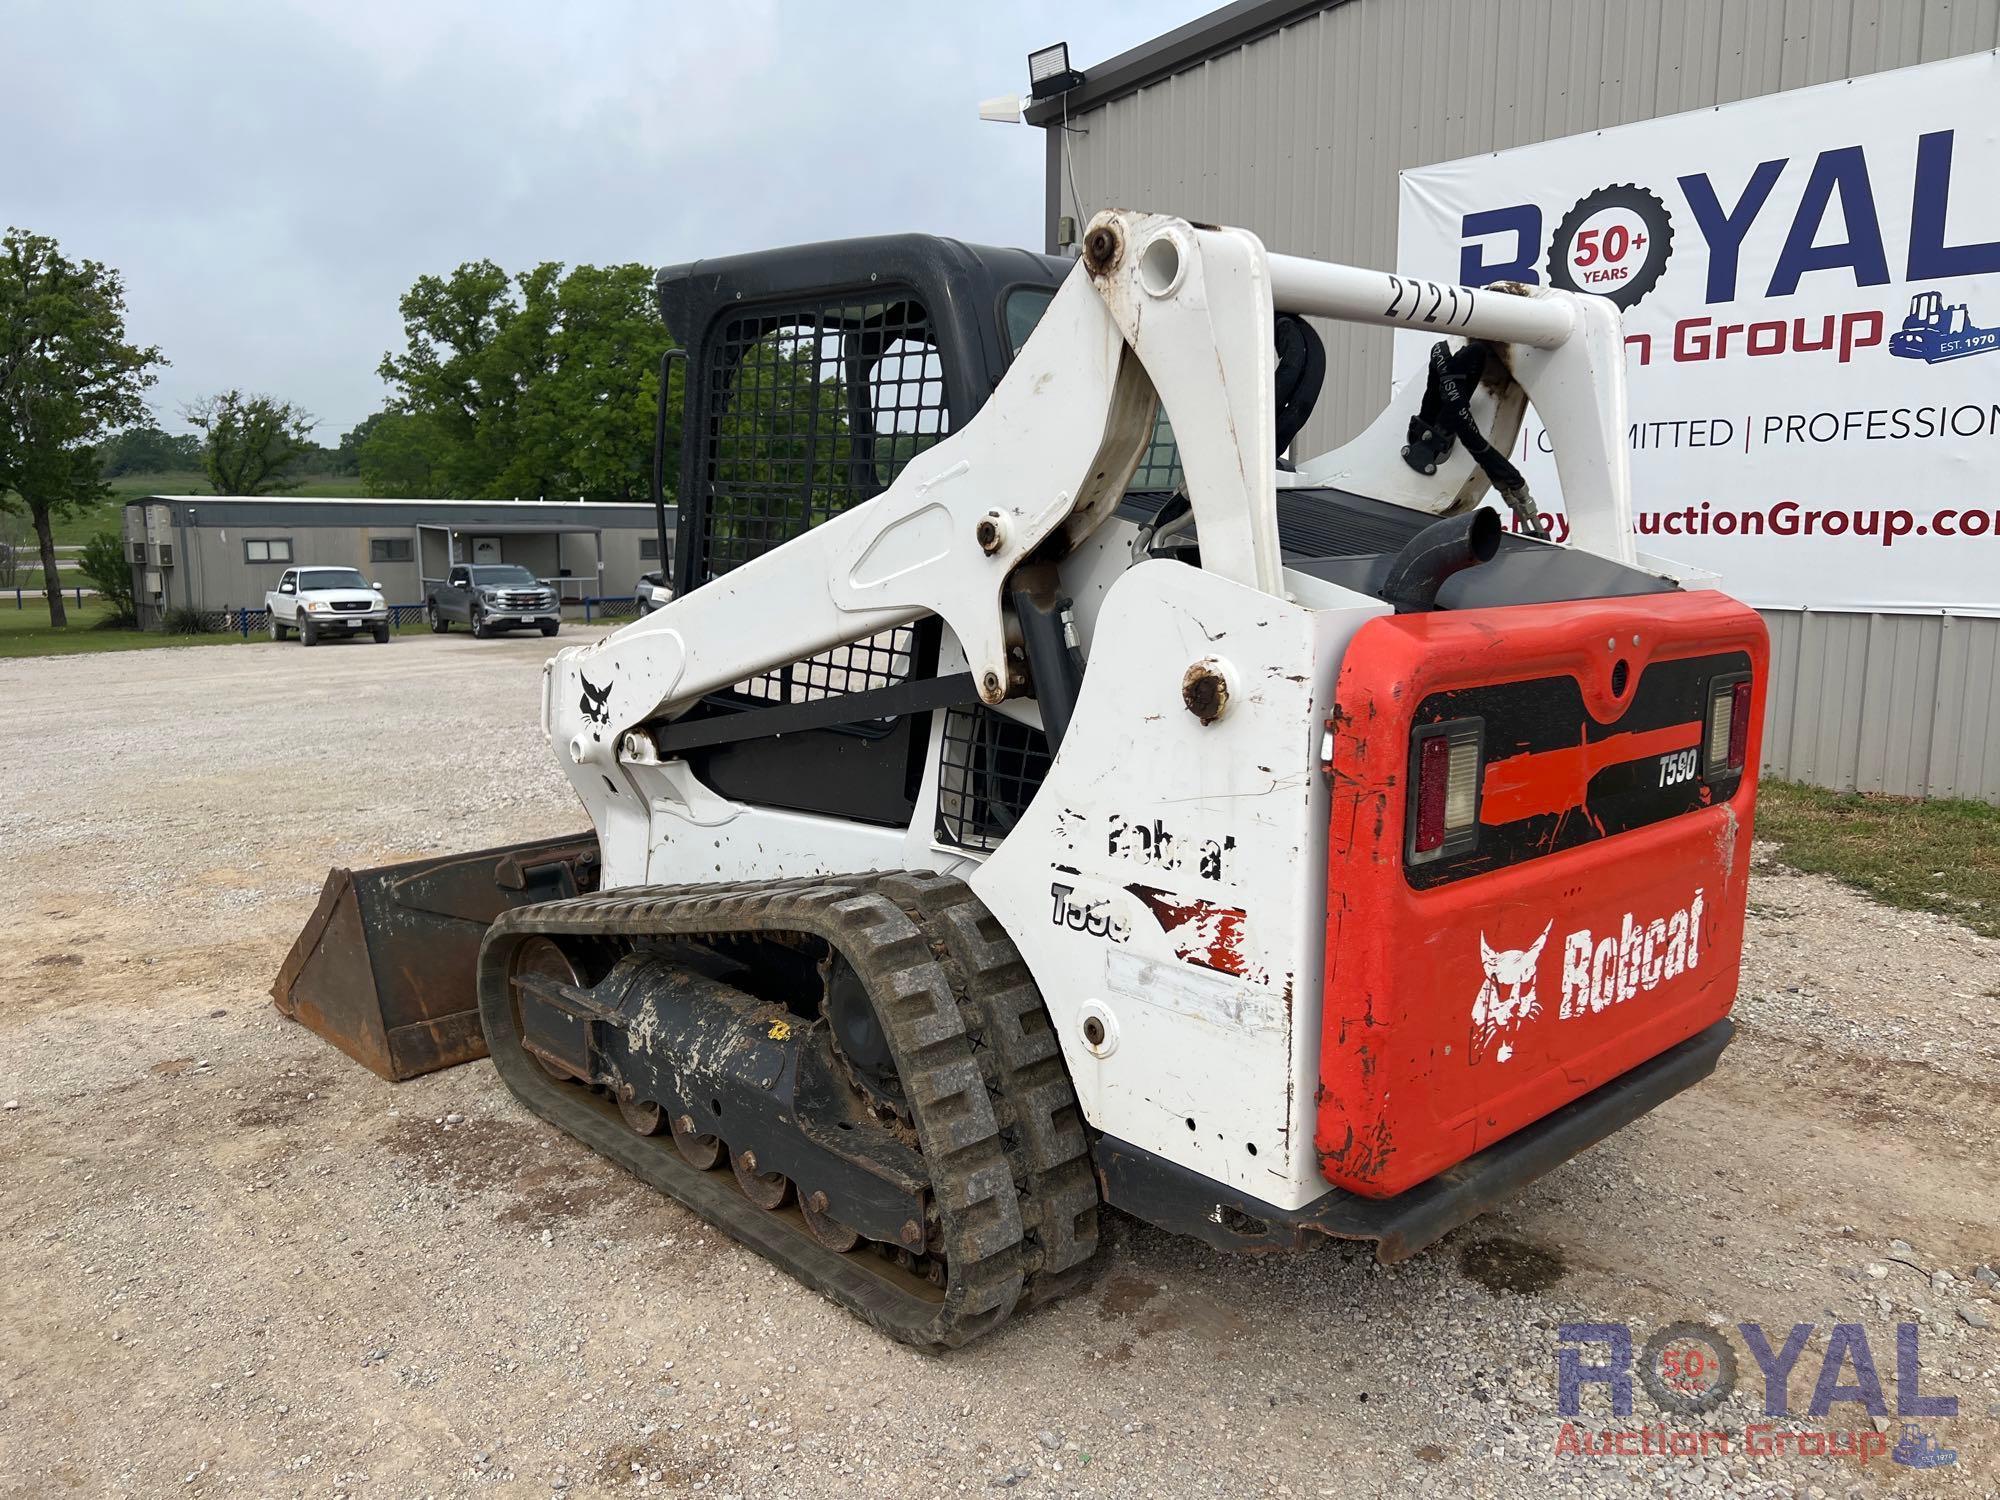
{"x": 1049, "y": 72}
{"x": 1005, "y": 110}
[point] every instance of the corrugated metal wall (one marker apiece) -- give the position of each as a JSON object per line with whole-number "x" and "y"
{"x": 1299, "y": 134}
{"x": 1905, "y": 704}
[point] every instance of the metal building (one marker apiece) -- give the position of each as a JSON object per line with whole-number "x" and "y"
{"x": 216, "y": 553}
{"x": 1294, "y": 120}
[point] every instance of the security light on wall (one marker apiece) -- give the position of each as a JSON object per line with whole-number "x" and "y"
{"x": 1049, "y": 72}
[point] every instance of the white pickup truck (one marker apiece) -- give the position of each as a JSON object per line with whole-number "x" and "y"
{"x": 322, "y": 602}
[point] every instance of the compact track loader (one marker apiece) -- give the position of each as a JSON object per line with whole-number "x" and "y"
{"x": 1043, "y": 792}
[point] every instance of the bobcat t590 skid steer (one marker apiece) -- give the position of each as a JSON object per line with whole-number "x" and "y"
{"x": 1043, "y": 793}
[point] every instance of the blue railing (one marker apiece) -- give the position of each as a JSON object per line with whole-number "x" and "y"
{"x": 21, "y": 594}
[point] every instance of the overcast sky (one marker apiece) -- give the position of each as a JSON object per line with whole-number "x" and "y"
{"x": 271, "y": 175}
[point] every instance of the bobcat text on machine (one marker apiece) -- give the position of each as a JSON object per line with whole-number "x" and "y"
{"x": 1042, "y": 793}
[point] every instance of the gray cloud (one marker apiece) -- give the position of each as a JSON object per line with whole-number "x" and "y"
{"x": 271, "y": 177}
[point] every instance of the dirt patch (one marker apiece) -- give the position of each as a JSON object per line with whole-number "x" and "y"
{"x": 1146, "y": 1304}
{"x": 1123, "y": 1296}
{"x": 627, "y": 1464}
{"x": 1501, "y": 1264}
{"x": 515, "y": 1161}
{"x": 59, "y": 961}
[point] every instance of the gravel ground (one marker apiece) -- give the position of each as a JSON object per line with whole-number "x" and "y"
{"x": 237, "y": 1263}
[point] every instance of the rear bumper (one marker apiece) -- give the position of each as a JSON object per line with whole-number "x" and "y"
{"x": 1184, "y": 1202}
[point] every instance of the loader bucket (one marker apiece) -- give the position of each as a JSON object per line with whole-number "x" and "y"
{"x": 386, "y": 968}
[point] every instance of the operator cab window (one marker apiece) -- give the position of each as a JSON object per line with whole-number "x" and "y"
{"x": 1159, "y": 470}
{"x": 813, "y": 409}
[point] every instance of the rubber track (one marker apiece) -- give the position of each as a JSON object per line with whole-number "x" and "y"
{"x": 972, "y": 1181}
{"x": 1019, "y": 1055}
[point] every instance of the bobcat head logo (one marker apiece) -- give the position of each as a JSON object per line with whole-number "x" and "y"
{"x": 1507, "y": 996}
{"x": 592, "y": 701}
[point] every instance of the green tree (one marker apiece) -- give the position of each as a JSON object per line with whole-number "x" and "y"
{"x": 539, "y": 384}
{"x": 148, "y": 450}
{"x": 68, "y": 376}
{"x": 399, "y": 456}
{"x": 105, "y": 564}
{"x": 251, "y": 445}
{"x": 591, "y": 415}
{"x": 347, "y": 457}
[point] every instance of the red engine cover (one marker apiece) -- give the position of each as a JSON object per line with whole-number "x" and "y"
{"x": 1598, "y": 919}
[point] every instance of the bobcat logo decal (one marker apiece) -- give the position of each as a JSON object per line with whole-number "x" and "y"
{"x": 1506, "y": 998}
{"x": 592, "y": 701}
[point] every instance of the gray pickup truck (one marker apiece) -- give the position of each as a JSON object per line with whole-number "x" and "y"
{"x": 491, "y": 597}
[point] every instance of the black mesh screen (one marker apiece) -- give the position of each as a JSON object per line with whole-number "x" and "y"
{"x": 879, "y": 661}
{"x": 1160, "y": 465}
{"x": 991, "y": 769}
{"x": 811, "y": 410}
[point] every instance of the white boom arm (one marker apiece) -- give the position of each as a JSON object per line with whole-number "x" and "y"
{"x": 1156, "y": 310}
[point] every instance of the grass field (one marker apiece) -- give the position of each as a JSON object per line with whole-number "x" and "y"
{"x": 1939, "y": 855}
{"x": 27, "y": 632}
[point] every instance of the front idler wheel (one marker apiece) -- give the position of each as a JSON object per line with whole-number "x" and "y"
{"x": 543, "y": 958}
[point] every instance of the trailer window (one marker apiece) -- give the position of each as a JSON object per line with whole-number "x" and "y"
{"x": 389, "y": 549}
{"x": 277, "y": 549}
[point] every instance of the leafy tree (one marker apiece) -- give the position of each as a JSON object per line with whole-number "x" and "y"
{"x": 347, "y": 457}
{"x": 538, "y": 384}
{"x": 399, "y": 456}
{"x": 252, "y": 445}
{"x": 105, "y": 564}
{"x": 148, "y": 450}
{"x": 68, "y": 377}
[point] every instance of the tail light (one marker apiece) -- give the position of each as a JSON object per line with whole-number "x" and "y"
{"x": 1727, "y": 742}
{"x": 1445, "y": 762}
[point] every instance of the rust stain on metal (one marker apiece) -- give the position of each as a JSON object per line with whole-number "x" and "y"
{"x": 1205, "y": 691}
{"x": 1102, "y": 249}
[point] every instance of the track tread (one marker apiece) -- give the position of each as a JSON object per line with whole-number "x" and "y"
{"x": 973, "y": 1179}
{"x": 1021, "y": 1061}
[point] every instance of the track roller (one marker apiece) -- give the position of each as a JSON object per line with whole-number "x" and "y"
{"x": 765, "y": 1189}
{"x": 699, "y": 1151}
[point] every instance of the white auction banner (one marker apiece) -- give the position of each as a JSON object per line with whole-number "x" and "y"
{"x": 1811, "y": 292}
